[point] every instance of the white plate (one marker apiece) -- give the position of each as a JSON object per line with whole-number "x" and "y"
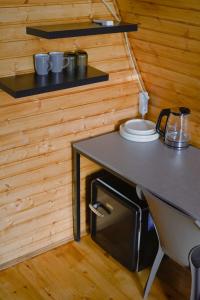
{"x": 140, "y": 127}
{"x": 137, "y": 138}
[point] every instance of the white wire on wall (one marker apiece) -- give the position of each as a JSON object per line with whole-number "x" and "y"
{"x": 128, "y": 46}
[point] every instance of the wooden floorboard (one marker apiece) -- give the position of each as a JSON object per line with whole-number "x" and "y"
{"x": 77, "y": 271}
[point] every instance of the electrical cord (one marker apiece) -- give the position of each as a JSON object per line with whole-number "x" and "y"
{"x": 128, "y": 46}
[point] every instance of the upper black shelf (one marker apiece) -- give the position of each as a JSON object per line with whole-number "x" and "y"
{"x": 31, "y": 84}
{"x": 78, "y": 29}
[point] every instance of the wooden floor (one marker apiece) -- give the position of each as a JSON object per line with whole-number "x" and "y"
{"x": 77, "y": 271}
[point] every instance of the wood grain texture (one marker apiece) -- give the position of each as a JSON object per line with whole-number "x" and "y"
{"x": 167, "y": 47}
{"x": 78, "y": 271}
{"x": 36, "y": 132}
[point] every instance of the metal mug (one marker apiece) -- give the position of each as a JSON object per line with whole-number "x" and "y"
{"x": 72, "y": 63}
{"x": 82, "y": 61}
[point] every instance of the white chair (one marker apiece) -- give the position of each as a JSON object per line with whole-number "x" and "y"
{"x": 179, "y": 238}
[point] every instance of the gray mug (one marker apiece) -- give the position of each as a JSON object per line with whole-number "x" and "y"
{"x": 57, "y": 61}
{"x": 42, "y": 63}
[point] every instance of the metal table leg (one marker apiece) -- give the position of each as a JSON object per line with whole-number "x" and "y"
{"x": 76, "y": 194}
{"x": 195, "y": 272}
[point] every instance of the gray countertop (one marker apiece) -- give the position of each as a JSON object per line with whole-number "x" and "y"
{"x": 170, "y": 174}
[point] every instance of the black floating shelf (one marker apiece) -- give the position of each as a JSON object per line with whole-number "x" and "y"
{"x": 78, "y": 29}
{"x": 31, "y": 84}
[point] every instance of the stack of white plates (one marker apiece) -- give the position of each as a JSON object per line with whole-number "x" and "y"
{"x": 139, "y": 130}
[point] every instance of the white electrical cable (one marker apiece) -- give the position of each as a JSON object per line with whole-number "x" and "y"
{"x": 143, "y": 95}
{"x": 128, "y": 46}
{"x": 117, "y": 17}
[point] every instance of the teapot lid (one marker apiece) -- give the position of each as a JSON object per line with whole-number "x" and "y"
{"x": 178, "y": 111}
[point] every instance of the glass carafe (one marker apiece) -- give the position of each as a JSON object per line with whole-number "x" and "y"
{"x": 176, "y": 131}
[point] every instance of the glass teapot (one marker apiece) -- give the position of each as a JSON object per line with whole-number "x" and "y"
{"x": 176, "y": 130}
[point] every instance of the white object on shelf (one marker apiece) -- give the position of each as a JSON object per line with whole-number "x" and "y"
{"x": 140, "y": 127}
{"x": 136, "y": 137}
{"x": 104, "y": 22}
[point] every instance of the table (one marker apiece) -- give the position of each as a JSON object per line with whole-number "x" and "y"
{"x": 172, "y": 175}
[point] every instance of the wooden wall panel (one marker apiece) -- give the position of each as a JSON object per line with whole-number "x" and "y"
{"x": 167, "y": 48}
{"x": 36, "y": 132}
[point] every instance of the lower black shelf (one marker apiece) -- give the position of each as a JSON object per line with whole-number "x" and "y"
{"x": 31, "y": 84}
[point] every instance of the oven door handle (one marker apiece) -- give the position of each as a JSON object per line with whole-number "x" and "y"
{"x": 95, "y": 211}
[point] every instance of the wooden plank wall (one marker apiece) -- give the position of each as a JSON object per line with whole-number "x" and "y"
{"x": 167, "y": 48}
{"x": 36, "y": 132}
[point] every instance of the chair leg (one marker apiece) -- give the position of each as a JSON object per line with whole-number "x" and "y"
{"x": 194, "y": 259}
{"x": 153, "y": 272}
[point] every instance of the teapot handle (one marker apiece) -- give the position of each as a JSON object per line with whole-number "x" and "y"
{"x": 165, "y": 112}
